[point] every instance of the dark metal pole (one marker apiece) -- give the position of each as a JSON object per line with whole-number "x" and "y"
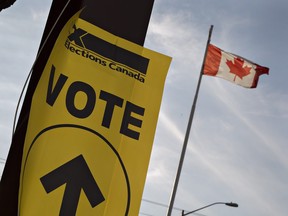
{"x": 30, "y": 73}
{"x": 228, "y": 204}
{"x": 188, "y": 130}
{"x": 6, "y": 3}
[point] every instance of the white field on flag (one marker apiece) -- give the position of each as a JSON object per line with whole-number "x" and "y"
{"x": 233, "y": 68}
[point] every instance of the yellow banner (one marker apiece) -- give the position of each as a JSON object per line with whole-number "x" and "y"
{"x": 91, "y": 125}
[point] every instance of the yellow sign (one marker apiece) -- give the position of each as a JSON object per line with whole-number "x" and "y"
{"x": 91, "y": 125}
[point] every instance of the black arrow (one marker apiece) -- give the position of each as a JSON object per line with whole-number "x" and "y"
{"x": 77, "y": 176}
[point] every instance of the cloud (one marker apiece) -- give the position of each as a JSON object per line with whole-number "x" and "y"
{"x": 226, "y": 165}
{"x": 237, "y": 107}
{"x": 39, "y": 15}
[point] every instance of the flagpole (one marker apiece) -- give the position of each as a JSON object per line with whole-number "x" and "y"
{"x": 172, "y": 198}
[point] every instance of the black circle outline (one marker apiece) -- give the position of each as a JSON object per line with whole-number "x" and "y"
{"x": 97, "y": 134}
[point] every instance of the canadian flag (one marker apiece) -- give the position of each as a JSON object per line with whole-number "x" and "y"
{"x": 232, "y": 67}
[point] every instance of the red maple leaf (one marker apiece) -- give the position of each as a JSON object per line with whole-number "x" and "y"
{"x": 237, "y": 68}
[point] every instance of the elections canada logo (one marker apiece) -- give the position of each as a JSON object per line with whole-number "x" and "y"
{"x": 118, "y": 59}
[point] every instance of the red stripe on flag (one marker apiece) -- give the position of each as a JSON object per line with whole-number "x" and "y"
{"x": 259, "y": 71}
{"x": 212, "y": 61}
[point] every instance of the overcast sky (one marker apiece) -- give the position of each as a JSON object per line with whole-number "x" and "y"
{"x": 237, "y": 149}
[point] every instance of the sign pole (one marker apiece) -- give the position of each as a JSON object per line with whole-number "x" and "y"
{"x": 184, "y": 147}
{"x": 119, "y": 24}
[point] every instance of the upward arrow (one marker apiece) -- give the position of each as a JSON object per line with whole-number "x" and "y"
{"x": 77, "y": 175}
